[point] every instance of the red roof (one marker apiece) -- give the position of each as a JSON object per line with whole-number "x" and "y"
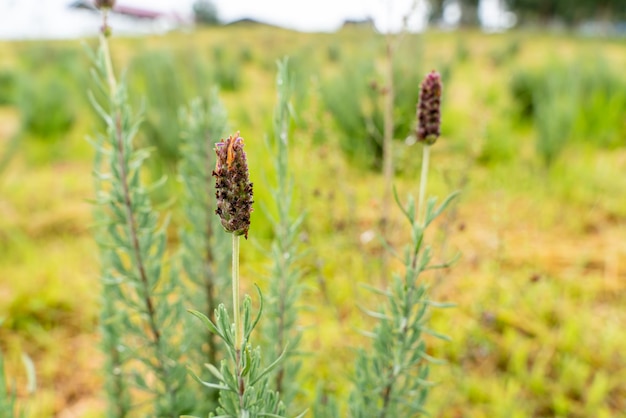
{"x": 136, "y": 12}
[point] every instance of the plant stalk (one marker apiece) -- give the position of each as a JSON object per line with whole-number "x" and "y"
{"x": 132, "y": 224}
{"x": 235, "y": 282}
{"x": 388, "y": 134}
{"x": 239, "y": 343}
{"x": 104, "y": 44}
{"x": 209, "y": 285}
{"x": 423, "y": 180}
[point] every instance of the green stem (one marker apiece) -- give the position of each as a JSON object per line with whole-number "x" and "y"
{"x": 236, "y": 313}
{"x": 133, "y": 226}
{"x": 423, "y": 179}
{"x": 118, "y": 406}
{"x": 239, "y": 344}
{"x": 104, "y": 44}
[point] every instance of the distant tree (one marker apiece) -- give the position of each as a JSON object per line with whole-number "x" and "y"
{"x": 542, "y": 12}
{"x": 570, "y": 12}
{"x": 205, "y": 13}
{"x": 435, "y": 14}
{"x": 469, "y": 12}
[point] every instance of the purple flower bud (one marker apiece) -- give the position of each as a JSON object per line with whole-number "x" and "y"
{"x": 429, "y": 109}
{"x": 233, "y": 189}
{"x": 105, "y": 4}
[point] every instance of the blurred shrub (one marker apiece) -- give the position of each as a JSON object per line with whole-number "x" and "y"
{"x": 303, "y": 66}
{"x": 505, "y": 54}
{"x": 333, "y": 52}
{"x": 65, "y": 63}
{"x": 601, "y": 112}
{"x": 8, "y": 87}
{"x": 159, "y": 77}
{"x": 498, "y": 145}
{"x": 226, "y": 70}
{"x": 354, "y": 99}
{"x": 522, "y": 86}
{"x": 46, "y": 55}
{"x": 51, "y": 89}
{"x": 554, "y": 112}
{"x": 245, "y": 55}
{"x": 167, "y": 80}
{"x": 461, "y": 52}
{"x": 46, "y": 106}
{"x": 582, "y": 100}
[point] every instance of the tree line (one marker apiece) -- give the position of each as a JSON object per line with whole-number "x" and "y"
{"x": 541, "y": 12}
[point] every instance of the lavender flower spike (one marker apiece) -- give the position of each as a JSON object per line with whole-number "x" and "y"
{"x": 233, "y": 189}
{"x": 429, "y": 109}
{"x": 105, "y": 4}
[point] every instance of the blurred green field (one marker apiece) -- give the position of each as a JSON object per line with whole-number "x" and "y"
{"x": 534, "y": 135}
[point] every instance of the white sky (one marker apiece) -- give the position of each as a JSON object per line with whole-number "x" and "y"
{"x": 327, "y": 15}
{"x": 52, "y": 18}
{"x": 307, "y": 15}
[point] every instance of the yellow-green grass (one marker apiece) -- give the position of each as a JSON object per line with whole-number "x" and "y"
{"x": 539, "y": 325}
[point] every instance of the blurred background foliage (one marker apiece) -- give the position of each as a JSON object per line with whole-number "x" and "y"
{"x": 534, "y": 133}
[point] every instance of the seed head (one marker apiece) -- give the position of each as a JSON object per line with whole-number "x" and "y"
{"x": 233, "y": 189}
{"x": 105, "y": 4}
{"x": 429, "y": 109}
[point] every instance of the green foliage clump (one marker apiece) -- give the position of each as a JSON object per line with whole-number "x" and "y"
{"x": 498, "y": 147}
{"x": 204, "y": 251}
{"x": 554, "y": 113}
{"x": 285, "y": 287}
{"x": 581, "y": 100}
{"x": 48, "y": 111}
{"x": 8, "y": 403}
{"x": 354, "y": 99}
{"x": 333, "y": 52}
{"x": 226, "y": 70}
{"x": 391, "y": 377}
{"x": 152, "y": 76}
{"x": 242, "y": 381}
{"x": 166, "y": 85}
{"x": 142, "y": 309}
{"x": 506, "y": 53}
{"x": 246, "y": 55}
{"x": 461, "y": 52}
{"x": 8, "y": 87}
{"x": 522, "y": 87}
{"x": 47, "y": 90}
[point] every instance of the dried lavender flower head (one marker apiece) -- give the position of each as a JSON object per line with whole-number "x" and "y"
{"x": 105, "y": 4}
{"x": 233, "y": 188}
{"x": 429, "y": 109}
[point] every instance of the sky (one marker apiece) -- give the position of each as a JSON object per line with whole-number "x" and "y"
{"x": 52, "y": 18}
{"x": 311, "y": 15}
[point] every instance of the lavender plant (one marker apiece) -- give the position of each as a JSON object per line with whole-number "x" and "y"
{"x": 242, "y": 381}
{"x": 281, "y": 333}
{"x": 428, "y": 124}
{"x": 147, "y": 339}
{"x": 141, "y": 309}
{"x": 204, "y": 251}
{"x": 391, "y": 378}
{"x": 8, "y": 396}
{"x": 9, "y": 404}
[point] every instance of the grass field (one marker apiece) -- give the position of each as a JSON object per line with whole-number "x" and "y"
{"x": 539, "y": 328}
